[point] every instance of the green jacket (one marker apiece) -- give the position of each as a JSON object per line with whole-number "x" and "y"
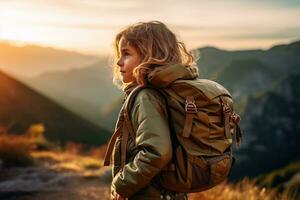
{"x": 150, "y": 151}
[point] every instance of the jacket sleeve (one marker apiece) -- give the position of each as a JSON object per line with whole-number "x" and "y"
{"x": 153, "y": 142}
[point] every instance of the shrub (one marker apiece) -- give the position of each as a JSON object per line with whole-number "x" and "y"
{"x": 15, "y": 150}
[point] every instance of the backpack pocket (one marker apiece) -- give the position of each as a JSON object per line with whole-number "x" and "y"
{"x": 199, "y": 176}
{"x": 219, "y": 168}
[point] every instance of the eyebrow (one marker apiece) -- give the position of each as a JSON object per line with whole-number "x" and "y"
{"x": 124, "y": 49}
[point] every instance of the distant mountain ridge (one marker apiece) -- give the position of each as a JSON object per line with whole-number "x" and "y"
{"x": 30, "y": 60}
{"x": 281, "y": 58}
{"x": 20, "y": 107}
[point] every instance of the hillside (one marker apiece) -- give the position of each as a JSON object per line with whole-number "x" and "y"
{"x": 271, "y": 127}
{"x": 90, "y": 94}
{"x": 22, "y": 106}
{"x": 283, "y": 179}
{"x": 244, "y": 77}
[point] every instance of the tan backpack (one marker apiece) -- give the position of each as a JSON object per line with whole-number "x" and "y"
{"x": 202, "y": 123}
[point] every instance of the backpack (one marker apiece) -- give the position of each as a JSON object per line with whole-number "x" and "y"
{"x": 202, "y": 123}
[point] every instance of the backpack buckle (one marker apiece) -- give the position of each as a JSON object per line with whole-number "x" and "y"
{"x": 226, "y": 108}
{"x": 190, "y": 106}
{"x": 235, "y": 118}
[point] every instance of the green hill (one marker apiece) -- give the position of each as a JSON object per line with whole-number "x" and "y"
{"x": 20, "y": 106}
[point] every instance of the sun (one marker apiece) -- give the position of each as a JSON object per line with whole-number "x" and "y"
{"x": 16, "y": 31}
{"x": 21, "y": 25}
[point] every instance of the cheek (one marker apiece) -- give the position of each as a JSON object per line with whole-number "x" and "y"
{"x": 137, "y": 61}
{"x": 132, "y": 63}
{"x": 131, "y": 68}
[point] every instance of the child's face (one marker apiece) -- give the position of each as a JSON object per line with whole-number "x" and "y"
{"x": 129, "y": 59}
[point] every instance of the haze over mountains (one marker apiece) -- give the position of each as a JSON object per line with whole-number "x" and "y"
{"x": 76, "y": 81}
{"x": 31, "y": 60}
{"x": 87, "y": 91}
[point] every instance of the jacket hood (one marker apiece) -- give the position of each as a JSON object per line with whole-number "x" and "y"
{"x": 129, "y": 87}
{"x": 164, "y": 75}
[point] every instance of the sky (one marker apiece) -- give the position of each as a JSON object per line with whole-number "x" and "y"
{"x": 89, "y": 26}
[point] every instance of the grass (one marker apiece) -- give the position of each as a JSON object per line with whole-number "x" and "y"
{"x": 285, "y": 179}
{"x": 33, "y": 148}
{"x": 243, "y": 190}
{"x": 66, "y": 161}
{"x": 15, "y": 150}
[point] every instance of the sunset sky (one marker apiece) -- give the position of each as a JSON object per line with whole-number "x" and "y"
{"x": 89, "y": 26}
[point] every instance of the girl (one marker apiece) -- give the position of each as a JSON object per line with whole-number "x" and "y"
{"x": 147, "y": 53}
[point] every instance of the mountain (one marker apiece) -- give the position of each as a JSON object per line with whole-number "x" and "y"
{"x": 246, "y": 76}
{"x": 31, "y": 60}
{"x": 271, "y": 126}
{"x": 280, "y": 59}
{"x": 21, "y": 106}
{"x": 90, "y": 91}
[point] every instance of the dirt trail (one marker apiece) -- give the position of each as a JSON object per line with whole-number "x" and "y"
{"x": 56, "y": 176}
{"x": 77, "y": 188}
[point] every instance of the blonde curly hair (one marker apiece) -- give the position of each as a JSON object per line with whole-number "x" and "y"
{"x": 156, "y": 44}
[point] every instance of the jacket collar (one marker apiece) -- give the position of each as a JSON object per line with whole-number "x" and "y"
{"x": 129, "y": 87}
{"x": 164, "y": 75}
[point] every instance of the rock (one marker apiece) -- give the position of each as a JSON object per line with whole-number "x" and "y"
{"x": 33, "y": 179}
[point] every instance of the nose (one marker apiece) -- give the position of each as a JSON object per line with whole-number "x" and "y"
{"x": 120, "y": 62}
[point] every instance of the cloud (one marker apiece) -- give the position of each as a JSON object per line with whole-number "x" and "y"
{"x": 51, "y": 20}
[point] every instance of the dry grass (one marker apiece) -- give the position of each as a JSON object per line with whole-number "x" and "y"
{"x": 70, "y": 162}
{"x": 243, "y": 190}
{"x": 98, "y": 152}
{"x": 15, "y": 150}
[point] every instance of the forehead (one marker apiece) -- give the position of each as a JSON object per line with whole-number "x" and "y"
{"x": 124, "y": 45}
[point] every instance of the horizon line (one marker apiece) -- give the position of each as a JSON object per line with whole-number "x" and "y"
{"x": 93, "y": 53}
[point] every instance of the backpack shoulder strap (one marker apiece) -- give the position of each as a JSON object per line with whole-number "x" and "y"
{"x": 130, "y": 103}
{"x": 163, "y": 94}
{"x": 128, "y": 107}
{"x": 126, "y": 129}
{"x": 110, "y": 146}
